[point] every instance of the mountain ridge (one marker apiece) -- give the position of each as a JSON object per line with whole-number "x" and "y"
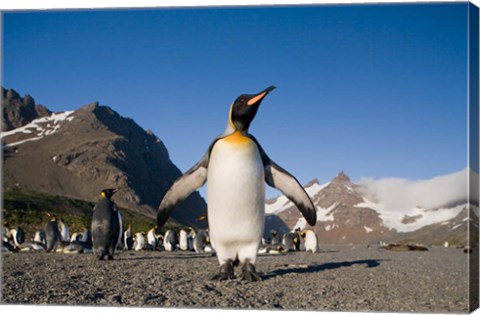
{"x": 79, "y": 153}
{"x": 346, "y": 215}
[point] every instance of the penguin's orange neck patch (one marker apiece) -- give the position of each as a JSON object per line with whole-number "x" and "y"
{"x": 230, "y": 122}
{"x": 237, "y": 138}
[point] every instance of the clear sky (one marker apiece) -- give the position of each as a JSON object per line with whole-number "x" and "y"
{"x": 374, "y": 90}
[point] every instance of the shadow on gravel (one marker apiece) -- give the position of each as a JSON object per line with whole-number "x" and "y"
{"x": 370, "y": 263}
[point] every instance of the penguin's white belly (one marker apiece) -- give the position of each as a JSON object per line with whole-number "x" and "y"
{"x": 183, "y": 242}
{"x": 151, "y": 240}
{"x": 236, "y": 197}
{"x": 311, "y": 243}
{"x": 139, "y": 243}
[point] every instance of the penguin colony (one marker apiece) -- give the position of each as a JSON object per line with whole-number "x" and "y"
{"x": 196, "y": 241}
{"x": 105, "y": 236}
{"x": 237, "y": 169}
{"x": 52, "y": 239}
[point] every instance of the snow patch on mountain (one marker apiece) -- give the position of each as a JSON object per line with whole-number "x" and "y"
{"x": 393, "y": 219}
{"x": 14, "y": 144}
{"x": 367, "y": 229}
{"x": 283, "y": 203}
{"x": 323, "y": 215}
{"x": 39, "y": 127}
{"x": 367, "y": 204}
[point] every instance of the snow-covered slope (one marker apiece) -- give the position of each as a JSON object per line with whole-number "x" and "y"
{"x": 412, "y": 219}
{"x": 281, "y": 203}
{"x": 36, "y": 129}
{"x": 379, "y": 209}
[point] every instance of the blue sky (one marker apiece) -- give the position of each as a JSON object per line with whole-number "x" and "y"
{"x": 374, "y": 90}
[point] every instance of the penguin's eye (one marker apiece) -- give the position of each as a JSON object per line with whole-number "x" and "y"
{"x": 242, "y": 100}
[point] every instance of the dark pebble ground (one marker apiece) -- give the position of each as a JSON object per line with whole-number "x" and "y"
{"x": 338, "y": 278}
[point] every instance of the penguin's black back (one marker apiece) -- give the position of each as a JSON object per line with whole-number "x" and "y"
{"x": 200, "y": 240}
{"x": 20, "y": 235}
{"x": 172, "y": 238}
{"x": 52, "y": 235}
{"x": 289, "y": 241}
{"x": 276, "y": 239}
{"x": 105, "y": 228}
{"x": 129, "y": 242}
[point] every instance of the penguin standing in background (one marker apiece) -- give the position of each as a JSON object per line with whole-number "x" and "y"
{"x": 64, "y": 231}
{"x": 52, "y": 233}
{"x": 127, "y": 238}
{"x": 139, "y": 243}
{"x": 311, "y": 241}
{"x": 183, "y": 240}
{"x": 237, "y": 168}
{"x": 170, "y": 241}
{"x": 298, "y": 238}
{"x": 159, "y": 242}
{"x": 275, "y": 241}
{"x": 106, "y": 226}
{"x": 190, "y": 238}
{"x": 200, "y": 241}
{"x": 152, "y": 238}
{"x": 289, "y": 241}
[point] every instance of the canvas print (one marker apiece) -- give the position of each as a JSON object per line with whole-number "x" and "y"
{"x": 274, "y": 157}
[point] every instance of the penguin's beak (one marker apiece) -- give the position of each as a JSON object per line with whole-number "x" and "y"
{"x": 113, "y": 191}
{"x": 257, "y": 98}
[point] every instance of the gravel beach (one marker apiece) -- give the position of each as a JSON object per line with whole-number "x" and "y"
{"x": 338, "y": 278}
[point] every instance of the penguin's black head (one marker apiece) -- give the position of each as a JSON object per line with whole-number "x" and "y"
{"x": 51, "y": 216}
{"x": 245, "y": 107}
{"x": 108, "y": 193}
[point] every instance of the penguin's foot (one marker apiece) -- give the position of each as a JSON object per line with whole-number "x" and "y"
{"x": 226, "y": 272}
{"x": 248, "y": 272}
{"x": 109, "y": 257}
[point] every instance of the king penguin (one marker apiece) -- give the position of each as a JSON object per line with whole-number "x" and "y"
{"x": 170, "y": 241}
{"x": 127, "y": 238}
{"x": 276, "y": 240}
{"x": 106, "y": 226}
{"x": 183, "y": 240}
{"x": 237, "y": 168}
{"x": 311, "y": 240}
{"x": 152, "y": 238}
{"x": 52, "y": 233}
{"x": 139, "y": 243}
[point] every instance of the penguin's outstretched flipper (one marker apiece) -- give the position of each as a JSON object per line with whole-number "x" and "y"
{"x": 193, "y": 179}
{"x": 279, "y": 178}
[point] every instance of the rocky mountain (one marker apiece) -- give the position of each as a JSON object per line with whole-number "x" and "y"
{"x": 345, "y": 215}
{"x": 18, "y": 111}
{"x": 78, "y": 153}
